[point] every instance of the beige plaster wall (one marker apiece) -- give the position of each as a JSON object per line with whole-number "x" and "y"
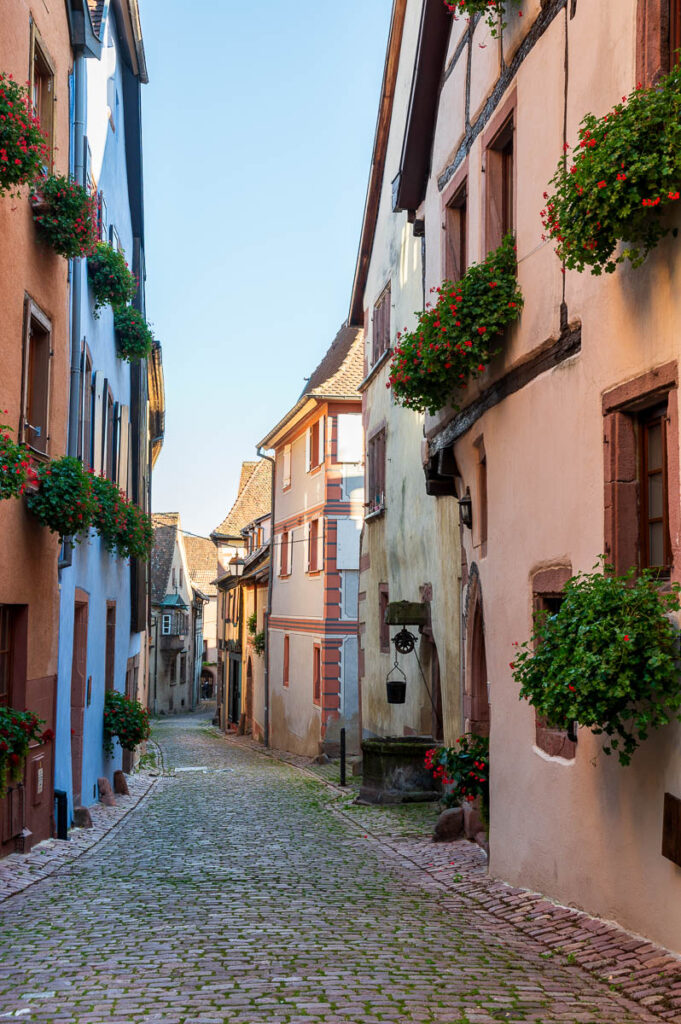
{"x": 415, "y": 541}
{"x": 295, "y": 721}
{"x": 587, "y": 832}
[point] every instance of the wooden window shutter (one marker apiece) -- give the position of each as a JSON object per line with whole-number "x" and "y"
{"x": 322, "y": 436}
{"x": 116, "y": 442}
{"x": 307, "y": 546}
{"x": 98, "y": 422}
{"x": 123, "y": 448}
{"x": 320, "y": 545}
{"x": 287, "y": 466}
{"x": 308, "y": 450}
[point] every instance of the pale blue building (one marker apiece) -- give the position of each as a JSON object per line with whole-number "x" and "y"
{"x": 103, "y": 616}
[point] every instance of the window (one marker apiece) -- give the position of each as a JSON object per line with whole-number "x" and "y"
{"x": 500, "y": 220}
{"x": 376, "y": 472}
{"x": 6, "y": 653}
{"x": 480, "y": 521}
{"x": 455, "y": 225}
{"x": 85, "y": 410}
{"x": 380, "y": 328}
{"x": 173, "y": 671}
{"x": 284, "y": 567}
{"x": 287, "y": 647}
{"x": 547, "y": 596}
{"x": 109, "y": 413}
{"x": 383, "y": 627}
{"x": 674, "y": 32}
{"x": 37, "y": 367}
{"x": 180, "y": 575}
{"x": 316, "y": 674}
{"x": 315, "y": 540}
{"x": 655, "y": 543}
{"x": 110, "y": 662}
{"x": 315, "y": 445}
{"x": 638, "y": 476}
{"x": 166, "y": 625}
{"x": 174, "y": 577}
{"x": 102, "y": 218}
{"x": 658, "y": 38}
{"x": 41, "y": 86}
{"x": 286, "y": 476}
{"x": 183, "y": 669}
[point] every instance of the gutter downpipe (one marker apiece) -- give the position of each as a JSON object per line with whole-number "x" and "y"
{"x": 77, "y": 264}
{"x": 268, "y": 611}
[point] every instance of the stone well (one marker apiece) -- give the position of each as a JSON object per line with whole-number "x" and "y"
{"x": 394, "y": 772}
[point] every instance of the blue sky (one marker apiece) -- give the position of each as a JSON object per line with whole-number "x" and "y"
{"x": 258, "y": 128}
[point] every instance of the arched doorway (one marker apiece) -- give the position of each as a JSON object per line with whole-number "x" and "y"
{"x": 431, "y": 717}
{"x": 476, "y": 710}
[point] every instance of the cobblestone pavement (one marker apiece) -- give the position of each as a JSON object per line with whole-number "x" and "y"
{"x": 232, "y": 894}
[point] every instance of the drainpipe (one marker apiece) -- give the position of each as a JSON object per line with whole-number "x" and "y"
{"x": 268, "y": 611}
{"x": 76, "y": 266}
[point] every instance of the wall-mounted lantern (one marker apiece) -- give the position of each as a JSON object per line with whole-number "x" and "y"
{"x": 466, "y": 510}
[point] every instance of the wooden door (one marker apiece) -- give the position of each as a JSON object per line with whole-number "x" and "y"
{"x": 78, "y": 696}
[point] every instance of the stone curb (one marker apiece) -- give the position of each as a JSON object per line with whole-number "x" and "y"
{"x": 19, "y": 871}
{"x": 633, "y": 966}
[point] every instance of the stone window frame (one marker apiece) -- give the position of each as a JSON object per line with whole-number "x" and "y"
{"x": 658, "y": 30}
{"x": 547, "y": 584}
{"x": 622, "y": 407}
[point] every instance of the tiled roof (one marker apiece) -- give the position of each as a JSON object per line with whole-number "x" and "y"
{"x": 96, "y": 13}
{"x": 341, "y": 370}
{"x": 165, "y": 526}
{"x": 338, "y": 375}
{"x": 254, "y": 499}
{"x": 202, "y": 562}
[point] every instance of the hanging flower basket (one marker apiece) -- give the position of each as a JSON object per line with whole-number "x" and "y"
{"x": 608, "y": 659}
{"x": 64, "y": 501}
{"x": 113, "y": 283}
{"x": 65, "y": 216}
{"x": 134, "y": 335}
{"x": 124, "y": 528}
{"x": 23, "y": 149}
{"x": 125, "y": 720}
{"x": 493, "y": 10}
{"x": 17, "y": 730}
{"x": 454, "y": 340}
{"x": 18, "y": 473}
{"x": 618, "y": 181}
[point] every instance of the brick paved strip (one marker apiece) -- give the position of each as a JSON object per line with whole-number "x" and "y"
{"x": 18, "y": 871}
{"x": 630, "y": 964}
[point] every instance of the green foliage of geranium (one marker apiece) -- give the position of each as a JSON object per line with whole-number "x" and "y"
{"x": 608, "y": 659}
{"x": 493, "y": 10}
{"x": 65, "y": 215}
{"x": 23, "y": 150}
{"x": 259, "y": 643}
{"x": 64, "y": 500}
{"x": 454, "y": 339}
{"x": 135, "y": 339}
{"x": 463, "y": 770}
{"x": 124, "y": 528}
{"x": 615, "y": 185}
{"x": 252, "y": 623}
{"x": 125, "y": 720}
{"x": 17, "y": 469}
{"x": 113, "y": 283}
{"x": 17, "y": 730}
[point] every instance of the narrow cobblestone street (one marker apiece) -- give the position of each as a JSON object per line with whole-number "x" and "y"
{"x": 233, "y": 894}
